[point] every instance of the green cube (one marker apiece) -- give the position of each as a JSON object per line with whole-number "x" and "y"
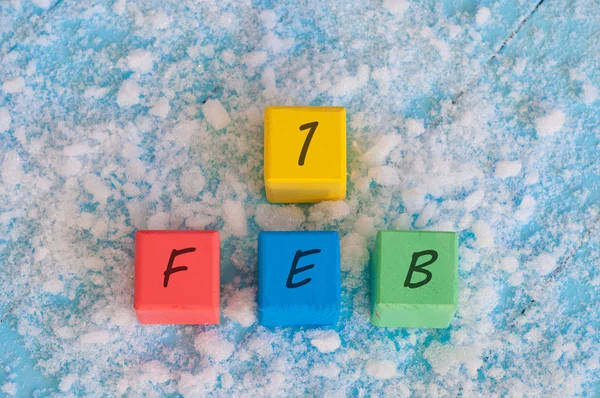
{"x": 414, "y": 280}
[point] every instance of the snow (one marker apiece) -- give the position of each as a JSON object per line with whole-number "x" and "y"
{"x": 199, "y": 384}
{"x": 9, "y": 388}
{"x": 550, "y": 123}
{"x": 160, "y": 20}
{"x": 483, "y": 16}
{"x": 54, "y": 286}
{"x": 329, "y": 211}
{"x": 213, "y": 345}
{"x": 155, "y": 372}
{"x": 255, "y": 59}
{"x": 484, "y": 236}
{"x": 95, "y": 92}
{"x": 385, "y": 175}
{"x": 475, "y": 117}
{"x": 229, "y": 57}
{"x": 381, "y": 369}
{"x": 268, "y": 18}
{"x": 129, "y": 94}
{"x": 414, "y": 127}
{"x": 413, "y": 199}
{"x": 241, "y": 307}
{"x": 378, "y": 153}
{"x": 5, "y": 119}
{"x": 268, "y": 79}
{"x": 326, "y": 341}
{"x": 328, "y": 371}
{"x": 234, "y": 216}
{"x": 227, "y": 20}
{"x": 474, "y": 200}
{"x": 12, "y": 171}
{"x": 100, "y": 337}
{"x": 532, "y": 178}
{"x": 77, "y": 149}
{"x": 215, "y": 114}
{"x": 590, "y": 93}
{"x": 140, "y": 61}
{"x": 365, "y": 225}
{"x": 279, "y": 218}
{"x": 275, "y": 44}
{"x": 543, "y": 264}
{"x": 526, "y": 209}
{"x": 382, "y": 78}
{"x": 448, "y": 359}
{"x": 95, "y": 186}
{"x": 396, "y": 7}
{"x": 13, "y": 86}
{"x": 507, "y": 169}
{"x": 354, "y": 252}
{"x": 520, "y": 66}
{"x": 159, "y": 221}
{"x": 402, "y": 223}
{"x": 349, "y": 84}
{"x": 160, "y": 108}
{"x": 67, "y": 382}
{"x": 510, "y": 264}
{"x": 426, "y": 215}
{"x": 192, "y": 181}
{"x": 119, "y": 7}
{"x": 442, "y": 47}
{"x": 65, "y": 333}
{"x": 45, "y": 4}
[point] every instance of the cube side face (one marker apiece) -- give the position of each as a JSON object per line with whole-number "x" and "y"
{"x": 375, "y": 281}
{"x": 413, "y": 316}
{"x": 299, "y": 316}
{"x": 179, "y": 316}
{"x": 177, "y": 277}
{"x": 304, "y": 191}
{"x": 305, "y": 153}
{"x": 415, "y": 279}
{"x": 298, "y": 278}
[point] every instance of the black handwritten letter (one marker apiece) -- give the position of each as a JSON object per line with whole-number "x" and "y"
{"x": 170, "y": 270}
{"x": 420, "y": 268}
{"x": 293, "y": 271}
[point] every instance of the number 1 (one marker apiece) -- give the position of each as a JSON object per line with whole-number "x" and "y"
{"x": 312, "y": 126}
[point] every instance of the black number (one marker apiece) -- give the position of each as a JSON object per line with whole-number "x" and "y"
{"x": 312, "y": 126}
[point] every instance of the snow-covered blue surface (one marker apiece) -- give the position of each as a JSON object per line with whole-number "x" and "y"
{"x": 481, "y": 117}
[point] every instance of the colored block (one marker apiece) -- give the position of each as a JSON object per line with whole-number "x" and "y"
{"x": 414, "y": 280}
{"x": 177, "y": 277}
{"x": 305, "y": 153}
{"x": 298, "y": 278}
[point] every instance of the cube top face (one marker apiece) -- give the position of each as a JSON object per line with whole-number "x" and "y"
{"x": 298, "y": 278}
{"x": 177, "y": 277}
{"x": 305, "y": 153}
{"x": 415, "y": 278}
{"x": 396, "y": 250}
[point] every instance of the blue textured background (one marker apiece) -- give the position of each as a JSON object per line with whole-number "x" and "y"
{"x": 81, "y": 172}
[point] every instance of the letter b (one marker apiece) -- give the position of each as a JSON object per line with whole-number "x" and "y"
{"x": 420, "y": 268}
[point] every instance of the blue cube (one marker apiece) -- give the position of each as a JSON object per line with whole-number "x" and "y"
{"x": 298, "y": 278}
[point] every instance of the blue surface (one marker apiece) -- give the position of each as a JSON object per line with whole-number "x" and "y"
{"x": 83, "y": 168}
{"x": 298, "y": 278}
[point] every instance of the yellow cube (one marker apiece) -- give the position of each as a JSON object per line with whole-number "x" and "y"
{"x": 305, "y": 153}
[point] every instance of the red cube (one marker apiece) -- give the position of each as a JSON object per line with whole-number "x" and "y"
{"x": 177, "y": 277}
